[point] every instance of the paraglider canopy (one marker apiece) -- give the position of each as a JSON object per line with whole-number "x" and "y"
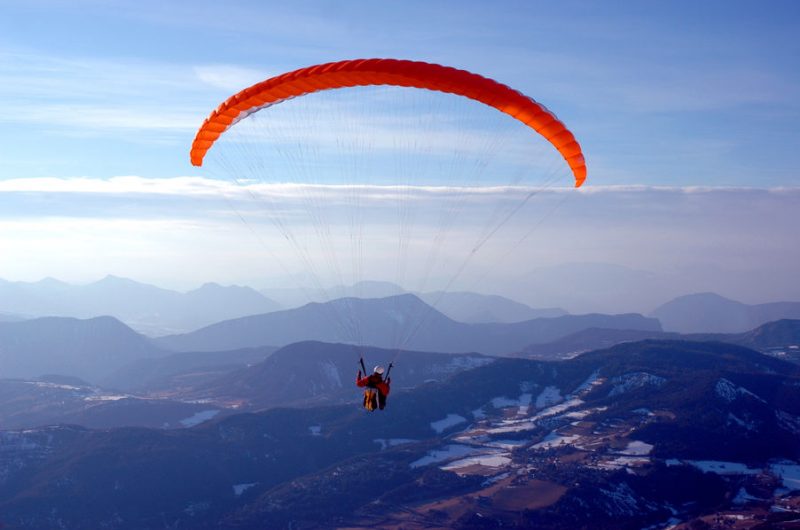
{"x": 366, "y": 72}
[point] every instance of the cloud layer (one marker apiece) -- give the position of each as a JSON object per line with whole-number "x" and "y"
{"x": 201, "y": 229}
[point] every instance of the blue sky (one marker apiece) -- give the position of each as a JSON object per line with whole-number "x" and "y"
{"x": 661, "y": 95}
{"x": 671, "y": 93}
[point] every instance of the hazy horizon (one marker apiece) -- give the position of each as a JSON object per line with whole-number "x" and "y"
{"x": 737, "y": 242}
{"x": 687, "y": 136}
{"x": 307, "y": 292}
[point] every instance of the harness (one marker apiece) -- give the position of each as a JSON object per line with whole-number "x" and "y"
{"x": 372, "y": 396}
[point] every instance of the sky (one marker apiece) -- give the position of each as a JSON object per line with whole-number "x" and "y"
{"x": 686, "y": 113}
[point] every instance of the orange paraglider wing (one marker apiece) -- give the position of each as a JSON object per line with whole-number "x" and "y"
{"x": 366, "y": 72}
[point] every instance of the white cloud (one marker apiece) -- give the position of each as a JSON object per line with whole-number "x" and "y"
{"x": 201, "y": 186}
{"x": 204, "y": 186}
{"x": 178, "y": 186}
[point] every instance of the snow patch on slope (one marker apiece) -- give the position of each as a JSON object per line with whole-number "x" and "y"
{"x": 632, "y": 381}
{"x": 238, "y": 489}
{"x": 733, "y": 419}
{"x": 549, "y": 396}
{"x": 730, "y": 392}
{"x": 592, "y": 381}
{"x": 487, "y": 460}
{"x": 524, "y": 404}
{"x": 637, "y": 448}
{"x": 502, "y": 402}
{"x": 623, "y": 462}
{"x": 458, "y": 364}
{"x": 554, "y": 440}
{"x": 788, "y": 421}
{"x": 743, "y": 497}
{"x": 107, "y": 397}
{"x": 621, "y": 500}
{"x": 198, "y": 418}
{"x": 789, "y": 473}
{"x": 720, "y": 467}
{"x": 385, "y": 443}
{"x": 448, "y": 452}
{"x": 330, "y": 373}
{"x": 445, "y": 423}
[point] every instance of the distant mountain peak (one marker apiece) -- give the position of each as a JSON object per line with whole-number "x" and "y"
{"x": 112, "y": 281}
{"x": 49, "y": 281}
{"x": 214, "y": 287}
{"x": 85, "y": 348}
{"x": 706, "y": 295}
{"x": 713, "y": 313}
{"x": 409, "y": 297}
{"x": 108, "y": 278}
{"x": 396, "y": 321}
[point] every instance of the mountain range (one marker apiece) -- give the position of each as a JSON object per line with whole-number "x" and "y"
{"x": 109, "y": 355}
{"x": 156, "y": 311}
{"x": 473, "y": 308}
{"x": 644, "y": 434}
{"x": 780, "y": 338}
{"x": 146, "y": 308}
{"x": 461, "y": 306}
{"x": 402, "y": 321}
{"x": 157, "y": 392}
{"x": 135, "y": 382}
